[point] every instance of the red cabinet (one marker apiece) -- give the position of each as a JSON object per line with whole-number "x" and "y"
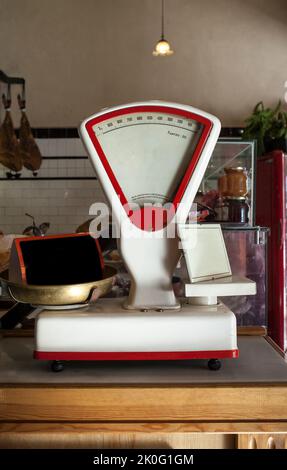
{"x": 271, "y": 212}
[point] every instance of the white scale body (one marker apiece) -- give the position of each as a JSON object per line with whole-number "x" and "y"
{"x": 147, "y": 153}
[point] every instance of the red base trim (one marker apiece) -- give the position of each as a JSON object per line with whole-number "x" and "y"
{"x": 135, "y": 356}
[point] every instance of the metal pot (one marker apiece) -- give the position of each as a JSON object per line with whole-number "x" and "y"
{"x": 60, "y": 295}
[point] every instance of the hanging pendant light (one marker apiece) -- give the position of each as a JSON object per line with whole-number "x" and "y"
{"x": 162, "y": 47}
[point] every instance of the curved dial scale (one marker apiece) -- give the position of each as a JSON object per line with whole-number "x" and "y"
{"x": 149, "y": 153}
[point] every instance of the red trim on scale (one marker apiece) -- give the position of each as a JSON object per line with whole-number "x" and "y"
{"x": 134, "y": 356}
{"x": 207, "y": 126}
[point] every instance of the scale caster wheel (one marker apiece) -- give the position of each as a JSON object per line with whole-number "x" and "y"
{"x": 57, "y": 366}
{"x": 214, "y": 364}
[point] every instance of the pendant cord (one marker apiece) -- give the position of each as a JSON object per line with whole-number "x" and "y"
{"x": 162, "y": 19}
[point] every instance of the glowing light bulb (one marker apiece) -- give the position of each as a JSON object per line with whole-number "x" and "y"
{"x": 162, "y": 48}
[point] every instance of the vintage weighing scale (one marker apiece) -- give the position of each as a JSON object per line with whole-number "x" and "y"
{"x": 150, "y": 158}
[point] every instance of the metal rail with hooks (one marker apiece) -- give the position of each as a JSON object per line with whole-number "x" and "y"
{"x": 11, "y": 80}
{"x": 4, "y": 78}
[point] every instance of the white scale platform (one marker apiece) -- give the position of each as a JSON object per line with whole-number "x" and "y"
{"x": 199, "y": 331}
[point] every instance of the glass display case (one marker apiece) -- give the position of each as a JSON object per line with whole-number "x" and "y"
{"x": 228, "y": 186}
{"x": 247, "y": 252}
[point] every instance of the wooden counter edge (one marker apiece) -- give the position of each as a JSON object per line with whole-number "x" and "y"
{"x": 261, "y": 402}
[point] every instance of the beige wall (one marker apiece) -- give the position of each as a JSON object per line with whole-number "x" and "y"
{"x": 81, "y": 55}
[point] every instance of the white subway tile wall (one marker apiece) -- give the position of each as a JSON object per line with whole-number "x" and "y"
{"x": 63, "y": 202}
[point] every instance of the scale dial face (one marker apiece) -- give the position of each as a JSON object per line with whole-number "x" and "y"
{"x": 149, "y": 152}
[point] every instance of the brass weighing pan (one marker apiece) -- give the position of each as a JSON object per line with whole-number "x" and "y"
{"x": 59, "y": 295}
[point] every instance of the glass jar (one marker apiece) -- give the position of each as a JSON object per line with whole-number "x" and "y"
{"x": 236, "y": 182}
{"x": 238, "y": 210}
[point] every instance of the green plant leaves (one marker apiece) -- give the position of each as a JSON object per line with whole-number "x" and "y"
{"x": 266, "y": 123}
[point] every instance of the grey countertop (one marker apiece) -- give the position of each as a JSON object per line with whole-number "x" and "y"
{"x": 258, "y": 363}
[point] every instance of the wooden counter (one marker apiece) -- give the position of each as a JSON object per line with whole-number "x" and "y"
{"x": 144, "y": 404}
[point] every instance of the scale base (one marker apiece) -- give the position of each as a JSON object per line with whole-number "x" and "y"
{"x": 106, "y": 331}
